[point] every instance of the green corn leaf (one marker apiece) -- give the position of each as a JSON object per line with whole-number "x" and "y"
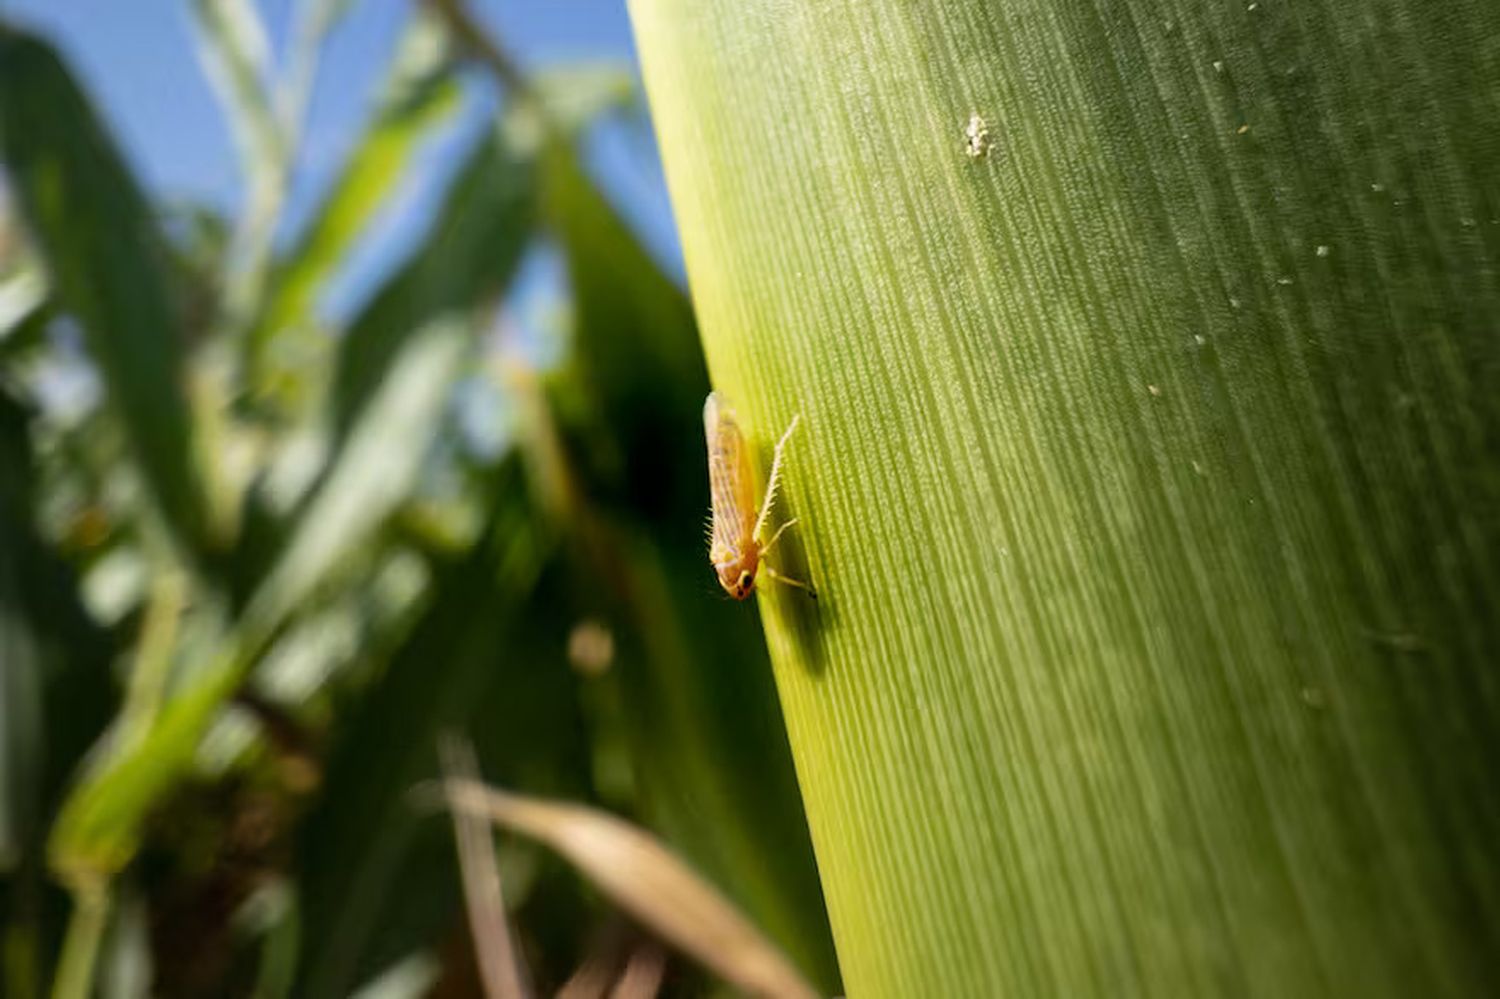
{"x": 106, "y": 259}
{"x": 1148, "y": 474}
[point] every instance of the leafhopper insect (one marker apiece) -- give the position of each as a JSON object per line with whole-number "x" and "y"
{"x": 734, "y": 536}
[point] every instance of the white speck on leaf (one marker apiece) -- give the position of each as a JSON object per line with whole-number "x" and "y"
{"x": 1323, "y": 250}
{"x": 977, "y": 140}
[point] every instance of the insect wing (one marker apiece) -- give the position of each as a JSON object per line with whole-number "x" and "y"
{"x": 730, "y": 482}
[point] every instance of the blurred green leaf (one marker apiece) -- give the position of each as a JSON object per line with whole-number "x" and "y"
{"x": 373, "y": 471}
{"x": 564, "y": 100}
{"x": 419, "y": 96}
{"x": 22, "y": 753}
{"x": 99, "y": 828}
{"x": 637, "y": 353}
{"x": 360, "y": 837}
{"x": 462, "y": 266}
{"x": 709, "y": 746}
{"x": 23, "y": 301}
{"x": 106, "y": 258}
{"x": 236, "y": 54}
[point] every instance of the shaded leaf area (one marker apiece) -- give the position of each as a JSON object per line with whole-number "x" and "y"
{"x": 1149, "y": 475}
{"x": 55, "y": 696}
{"x": 363, "y": 833}
{"x": 397, "y": 568}
{"x": 106, "y": 259}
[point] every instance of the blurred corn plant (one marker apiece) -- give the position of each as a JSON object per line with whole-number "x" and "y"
{"x": 254, "y": 558}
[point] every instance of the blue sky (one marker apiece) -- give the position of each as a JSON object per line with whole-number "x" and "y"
{"x": 138, "y": 60}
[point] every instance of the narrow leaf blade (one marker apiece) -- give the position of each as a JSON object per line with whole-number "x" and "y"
{"x": 418, "y": 98}
{"x": 646, "y": 880}
{"x": 105, "y": 258}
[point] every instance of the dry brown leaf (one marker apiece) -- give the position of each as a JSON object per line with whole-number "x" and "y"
{"x": 500, "y": 965}
{"x": 645, "y": 879}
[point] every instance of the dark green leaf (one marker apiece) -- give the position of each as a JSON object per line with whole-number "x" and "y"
{"x": 106, "y": 258}
{"x": 638, "y": 349}
{"x": 56, "y": 694}
{"x": 357, "y": 845}
{"x": 22, "y": 752}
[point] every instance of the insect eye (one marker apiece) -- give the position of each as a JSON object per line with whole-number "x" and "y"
{"x": 745, "y": 580}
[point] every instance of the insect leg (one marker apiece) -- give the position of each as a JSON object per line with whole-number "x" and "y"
{"x": 774, "y": 480}
{"x": 789, "y": 581}
{"x": 777, "y": 536}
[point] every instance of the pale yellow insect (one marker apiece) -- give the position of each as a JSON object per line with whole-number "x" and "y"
{"x": 734, "y": 545}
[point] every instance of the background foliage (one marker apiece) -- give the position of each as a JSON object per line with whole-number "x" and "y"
{"x": 255, "y": 564}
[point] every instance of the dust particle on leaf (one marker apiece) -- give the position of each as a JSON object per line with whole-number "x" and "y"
{"x": 977, "y": 140}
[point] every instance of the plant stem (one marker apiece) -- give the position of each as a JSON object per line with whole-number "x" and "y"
{"x": 80, "y": 953}
{"x": 153, "y": 658}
